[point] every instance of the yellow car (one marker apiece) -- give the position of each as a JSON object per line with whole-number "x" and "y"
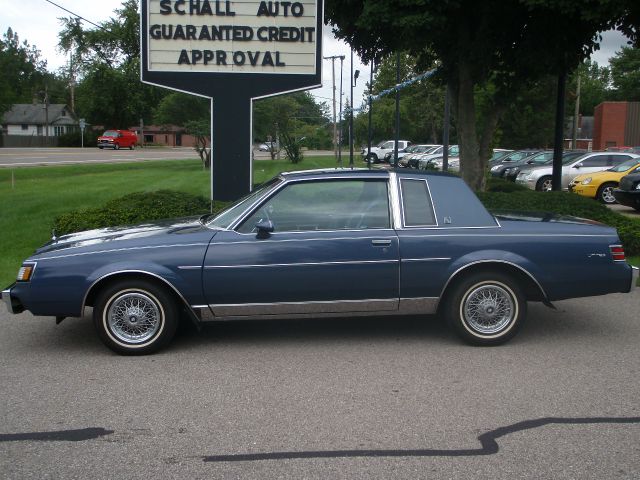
{"x": 600, "y": 185}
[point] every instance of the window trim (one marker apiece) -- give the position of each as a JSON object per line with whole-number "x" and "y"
{"x": 260, "y": 202}
{"x": 433, "y": 208}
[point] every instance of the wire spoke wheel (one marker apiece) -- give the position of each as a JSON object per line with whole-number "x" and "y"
{"x": 488, "y": 309}
{"x": 134, "y": 317}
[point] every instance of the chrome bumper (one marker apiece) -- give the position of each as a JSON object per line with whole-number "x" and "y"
{"x": 635, "y": 272}
{"x": 12, "y": 304}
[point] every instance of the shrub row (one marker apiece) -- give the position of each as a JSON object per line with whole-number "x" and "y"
{"x": 133, "y": 208}
{"x": 502, "y": 196}
{"x": 565, "y": 203}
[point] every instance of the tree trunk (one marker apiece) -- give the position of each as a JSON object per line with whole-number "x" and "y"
{"x": 471, "y": 163}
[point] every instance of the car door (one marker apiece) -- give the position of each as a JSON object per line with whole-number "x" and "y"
{"x": 332, "y": 250}
{"x": 594, "y": 163}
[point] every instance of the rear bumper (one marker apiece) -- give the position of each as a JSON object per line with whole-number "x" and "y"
{"x": 12, "y": 303}
{"x": 635, "y": 272}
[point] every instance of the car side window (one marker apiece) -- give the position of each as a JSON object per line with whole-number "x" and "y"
{"x": 618, "y": 159}
{"x": 325, "y": 205}
{"x": 416, "y": 203}
{"x": 595, "y": 161}
{"x": 388, "y": 145}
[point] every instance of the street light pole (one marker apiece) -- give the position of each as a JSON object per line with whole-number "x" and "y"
{"x": 373, "y": 66}
{"x": 351, "y": 117}
{"x": 340, "y": 116}
{"x": 335, "y": 127}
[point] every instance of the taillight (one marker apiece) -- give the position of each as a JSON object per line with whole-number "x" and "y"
{"x": 617, "y": 252}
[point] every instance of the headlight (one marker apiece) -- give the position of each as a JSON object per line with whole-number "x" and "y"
{"x": 26, "y": 272}
{"x": 586, "y": 181}
{"x": 496, "y": 168}
{"x": 638, "y": 186}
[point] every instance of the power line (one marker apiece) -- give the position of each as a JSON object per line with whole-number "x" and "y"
{"x": 76, "y": 15}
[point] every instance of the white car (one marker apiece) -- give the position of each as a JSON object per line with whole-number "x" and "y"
{"x": 540, "y": 178}
{"x": 425, "y": 160}
{"x": 403, "y": 155}
{"x": 379, "y": 151}
{"x": 267, "y": 146}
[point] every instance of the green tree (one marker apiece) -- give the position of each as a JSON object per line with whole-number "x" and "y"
{"x": 625, "y": 74}
{"x": 24, "y": 72}
{"x": 508, "y": 43}
{"x": 107, "y": 62}
{"x": 179, "y": 108}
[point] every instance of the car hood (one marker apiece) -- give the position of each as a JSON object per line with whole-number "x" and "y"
{"x": 147, "y": 233}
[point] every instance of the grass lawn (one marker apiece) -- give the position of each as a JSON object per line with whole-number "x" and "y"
{"x": 39, "y": 194}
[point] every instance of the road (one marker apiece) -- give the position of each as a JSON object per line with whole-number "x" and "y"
{"x": 380, "y": 398}
{"x": 21, "y": 157}
{"x": 24, "y": 157}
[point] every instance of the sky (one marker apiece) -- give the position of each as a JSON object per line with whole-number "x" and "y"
{"x": 37, "y": 22}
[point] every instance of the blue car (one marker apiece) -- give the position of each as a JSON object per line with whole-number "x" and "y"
{"x": 331, "y": 243}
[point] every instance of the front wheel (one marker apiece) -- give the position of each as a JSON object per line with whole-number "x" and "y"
{"x": 605, "y": 193}
{"x": 135, "y": 317}
{"x": 371, "y": 158}
{"x": 545, "y": 184}
{"x": 116, "y": 147}
{"x": 486, "y": 308}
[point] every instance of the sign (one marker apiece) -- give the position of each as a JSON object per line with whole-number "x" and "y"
{"x": 232, "y": 52}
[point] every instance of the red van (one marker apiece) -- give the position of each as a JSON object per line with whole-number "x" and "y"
{"x": 117, "y": 139}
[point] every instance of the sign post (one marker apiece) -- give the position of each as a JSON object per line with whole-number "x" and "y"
{"x": 232, "y": 52}
{"x": 82, "y": 124}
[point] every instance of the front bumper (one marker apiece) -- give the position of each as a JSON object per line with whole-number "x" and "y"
{"x": 629, "y": 198}
{"x": 12, "y": 303}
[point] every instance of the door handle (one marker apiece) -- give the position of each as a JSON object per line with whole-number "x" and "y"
{"x": 381, "y": 243}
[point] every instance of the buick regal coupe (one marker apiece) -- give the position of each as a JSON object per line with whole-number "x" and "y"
{"x": 332, "y": 243}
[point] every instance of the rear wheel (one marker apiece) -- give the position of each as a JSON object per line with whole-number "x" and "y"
{"x": 135, "y": 317}
{"x": 486, "y": 308}
{"x": 545, "y": 184}
{"x": 605, "y": 193}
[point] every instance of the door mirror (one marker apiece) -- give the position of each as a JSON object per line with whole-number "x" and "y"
{"x": 264, "y": 228}
{"x": 578, "y": 165}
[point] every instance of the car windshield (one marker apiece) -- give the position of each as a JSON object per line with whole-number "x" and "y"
{"x": 517, "y": 156}
{"x": 225, "y": 218}
{"x": 623, "y": 167}
{"x": 110, "y": 133}
{"x": 540, "y": 158}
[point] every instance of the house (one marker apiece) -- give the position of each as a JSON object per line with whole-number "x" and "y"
{"x": 166, "y": 135}
{"x": 34, "y": 119}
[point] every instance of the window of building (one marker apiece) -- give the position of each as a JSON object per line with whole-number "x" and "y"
{"x": 25, "y": 126}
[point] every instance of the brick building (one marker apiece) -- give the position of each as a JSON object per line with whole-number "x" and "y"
{"x": 616, "y": 124}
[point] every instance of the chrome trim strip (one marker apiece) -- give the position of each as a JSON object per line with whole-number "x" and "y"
{"x": 123, "y": 250}
{"x": 418, "y": 305}
{"x": 6, "y": 298}
{"x": 381, "y": 230}
{"x": 635, "y": 273}
{"x": 190, "y": 267}
{"x": 434, "y": 259}
{"x": 288, "y": 308}
{"x": 503, "y": 234}
{"x": 302, "y": 264}
{"x": 394, "y": 188}
{"x": 544, "y": 294}
{"x": 144, "y": 272}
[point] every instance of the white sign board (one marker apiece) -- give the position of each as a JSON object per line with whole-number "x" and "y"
{"x": 223, "y": 36}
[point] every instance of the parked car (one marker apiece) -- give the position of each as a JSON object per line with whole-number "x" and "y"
{"x": 379, "y": 151}
{"x": 628, "y": 192}
{"x": 267, "y": 146}
{"x": 436, "y": 164}
{"x": 319, "y": 244}
{"x": 403, "y": 154}
{"x": 540, "y": 178}
{"x": 413, "y": 160}
{"x": 498, "y": 154}
{"x": 518, "y": 157}
{"x": 117, "y": 139}
{"x": 538, "y": 159}
{"x": 425, "y": 160}
{"x": 600, "y": 185}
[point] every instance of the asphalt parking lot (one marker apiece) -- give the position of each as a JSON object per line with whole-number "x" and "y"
{"x": 344, "y": 398}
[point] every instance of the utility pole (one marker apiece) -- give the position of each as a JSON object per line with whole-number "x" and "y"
{"x": 335, "y": 126}
{"x": 340, "y": 119}
{"x": 445, "y": 129}
{"x": 351, "y": 116}
{"x": 373, "y": 66}
{"x": 576, "y": 113}
{"x": 395, "y": 155}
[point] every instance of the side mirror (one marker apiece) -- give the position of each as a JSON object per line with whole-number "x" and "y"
{"x": 264, "y": 228}
{"x": 578, "y": 165}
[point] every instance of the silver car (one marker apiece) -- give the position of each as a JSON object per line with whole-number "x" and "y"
{"x": 540, "y": 178}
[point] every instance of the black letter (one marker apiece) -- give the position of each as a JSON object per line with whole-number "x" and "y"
{"x": 262, "y": 34}
{"x": 253, "y": 59}
{"x": 154, "y": 32}
{"x": 221, "y": 57}
{"x": 191, "y": 32}
{"x": 206, "y": 8}
{"x": 175, "y": 7}
{"x": 297, "y": 9}
{"x": 278, "y": 62}
{"x": 194, "y": 5}
{"x": 165, "y": 7}
{"x": 310, "y": 31}
{"x": 267, "y": 60}
{"x": 228, "y": 9}
{"x": 285, "y": 6}
{"x": 184, "y": 58}
{"x": 204, "y": 33}
{"x": 196, "y": 55}
{"x": 239, "y": 58}
{"x": 179, "y": 34}
{"x": 262, "y": 9}
{"x": 208, "y": 56}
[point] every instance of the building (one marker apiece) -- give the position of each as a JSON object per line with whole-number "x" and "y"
{"x": 34, "y": 120}
{"x": 166, "y": 135}
{"x": 616, "y": 124}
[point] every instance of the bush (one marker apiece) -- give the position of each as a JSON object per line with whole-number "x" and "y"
{"x": 73, "y": 139}
{"x": 134, "y": 208}
{"x": 565, "y": 203}
{"x": 501, "y": 185}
